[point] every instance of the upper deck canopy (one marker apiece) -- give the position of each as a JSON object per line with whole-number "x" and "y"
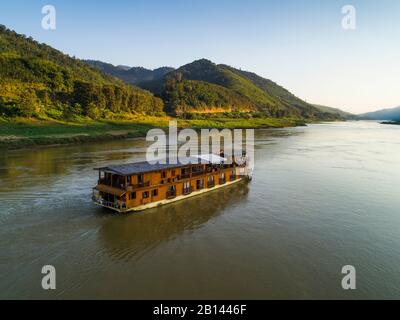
{"x": 145, "y": 166}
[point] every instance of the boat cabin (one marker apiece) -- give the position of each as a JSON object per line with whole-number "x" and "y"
{"x": 140, "y": 185}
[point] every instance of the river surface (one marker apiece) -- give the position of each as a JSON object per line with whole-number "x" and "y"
{"x": 322, "y": 197}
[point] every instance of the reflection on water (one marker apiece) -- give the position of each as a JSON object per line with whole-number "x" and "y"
{"x": 18, "y": 166}
{"x": 322, "y": 197}
{"x": 125, "y": 237}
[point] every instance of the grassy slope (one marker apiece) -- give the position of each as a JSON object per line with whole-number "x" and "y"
{"x": 283, "y": 99}
{"x": 257, "y": 94}
{"x": 240, "y": 85}
{"x": 21, "y": 133}
{"x": 222, "y": 76}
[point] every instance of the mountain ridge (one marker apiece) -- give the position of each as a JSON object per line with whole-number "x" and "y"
{"x": 391, "y": 114}
{"x": 344, "y": 114}
{"x": 38, "y": 80}
{"x": 258, "y": 95}
{"x": 131, "y": 75}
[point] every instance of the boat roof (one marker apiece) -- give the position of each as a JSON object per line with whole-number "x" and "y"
{"x": 145, "y": 166}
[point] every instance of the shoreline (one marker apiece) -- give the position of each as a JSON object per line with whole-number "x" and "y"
{"x": 396, "y": 123}
{"x": 28, "y": 134}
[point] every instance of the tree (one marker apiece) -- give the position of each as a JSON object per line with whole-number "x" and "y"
{"x": 29, "y": 103}
{"x": 93, "y": 111}
{"x": 71, "y": 111}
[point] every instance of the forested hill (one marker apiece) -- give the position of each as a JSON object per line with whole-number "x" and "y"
{"x": 203, "y": 86}
{"x": 132, "y": 75}
{"x": 37, "y": 80}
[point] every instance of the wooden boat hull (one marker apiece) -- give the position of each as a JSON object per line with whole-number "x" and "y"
{"x": 168, "y": 201}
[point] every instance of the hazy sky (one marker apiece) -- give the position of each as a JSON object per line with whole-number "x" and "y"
{"x": 299, "y": 44}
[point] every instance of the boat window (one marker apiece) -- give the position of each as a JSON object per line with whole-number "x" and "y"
{"x": 199, "y": 184}
{"x": 132, "y": 196}
{"x": 173, "y": 172}
{"x": 154, "y": 192}
{"x": 145, "y": 195}
{"x": 163, "y": 174}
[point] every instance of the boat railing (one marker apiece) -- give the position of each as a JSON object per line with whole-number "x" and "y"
{"x": 139, "y": 185}
{"x": 185, "y": 176}
{"x": 222, "y": 180}
{"x": 103, "y": 181}
{"x": 187, "y": 190}
{"x": 116, "y": 204}
{"x": 110, "y": 183}
{"x": 197, "y": 173}
{"x": 171, "y": 194}
{"x": 210, "y": 184}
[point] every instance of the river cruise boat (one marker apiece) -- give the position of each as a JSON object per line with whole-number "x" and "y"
{"x": 141, "y": 185}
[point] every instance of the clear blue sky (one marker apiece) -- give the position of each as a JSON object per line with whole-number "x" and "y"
{"x": 300, "y": 44}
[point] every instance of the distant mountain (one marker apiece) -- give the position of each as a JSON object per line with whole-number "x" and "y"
{"x": 343, "y": 114}
{"x": 203, "y": 86}
{"x": 122, "y": 67}
{"x": 37, "y": 80}
{"x": 392, "y": 114}
{"x": 130, "y": 75}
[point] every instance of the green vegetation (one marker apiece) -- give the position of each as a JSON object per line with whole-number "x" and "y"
{"x": 240, "y": 123}
{"x": 39, "y": 81}
{"x": 20, "y": 133}
{"x": 185, "y": 91}
{"x": 184, "y": 97}
{"x": 284, "y": 102}
{"x": 47, "y": 97}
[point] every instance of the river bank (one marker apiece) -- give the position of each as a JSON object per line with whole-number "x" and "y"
{"x": 26, "y": 133}
{"x": 391, "y": 122}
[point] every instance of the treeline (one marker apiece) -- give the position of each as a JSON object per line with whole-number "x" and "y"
{"x": 85, "y": 99}
{"x": 37, "y": 80}
{"x": 186, "y": 96}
